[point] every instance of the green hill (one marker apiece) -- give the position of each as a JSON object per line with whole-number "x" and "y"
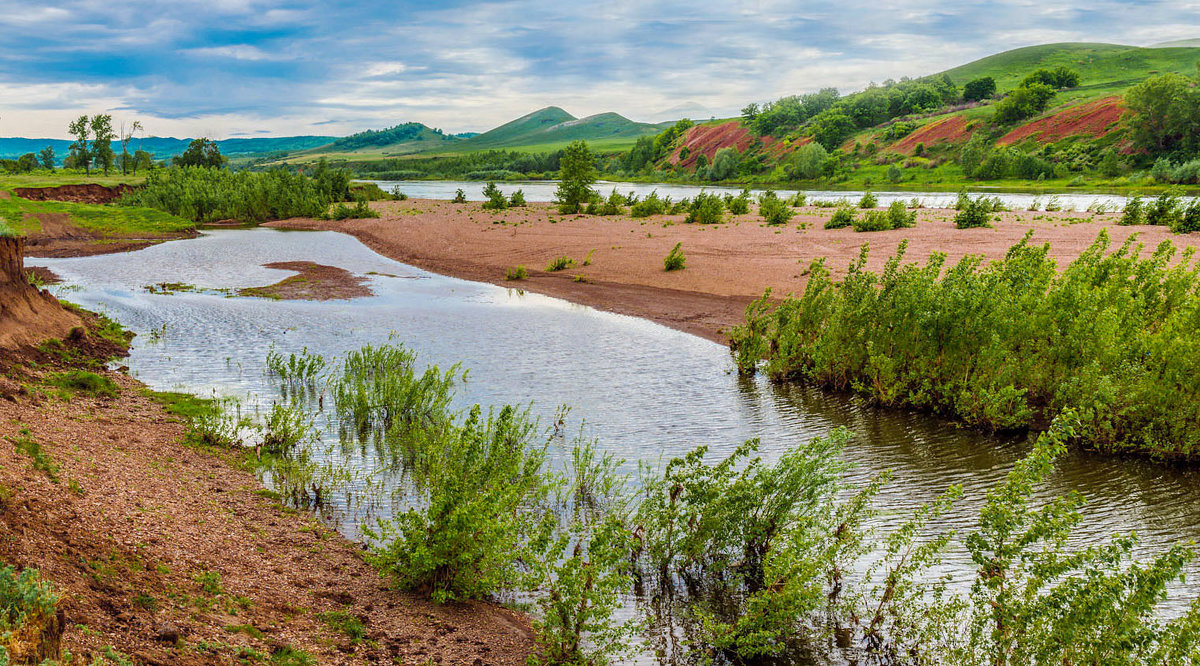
{"x": 1104, "y": 69}
{"x": 552, "y": 128}
{"x": 397, "y": 141}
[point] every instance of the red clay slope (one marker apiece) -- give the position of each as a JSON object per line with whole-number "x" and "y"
{"x": 27, "y": 315}
{"x": 708, "y": 139}
{"x": 1092, "y": 119}
{"x": 955, "y": 129}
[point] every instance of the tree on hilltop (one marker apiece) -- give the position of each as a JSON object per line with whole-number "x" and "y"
{"x": 201, "y": 153}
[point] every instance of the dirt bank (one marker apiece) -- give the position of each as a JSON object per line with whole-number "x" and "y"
{"x": 313, "y": 282}
{"x": 27, "y": 315}
{"x": 57, "y": 235}
{"x": 83, "y": 193}
{"x": 728, "y": 265}
{"x": 172, "y": 554}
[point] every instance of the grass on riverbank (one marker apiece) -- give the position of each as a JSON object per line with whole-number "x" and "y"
{"x": 42, "y": 178}
{"x": 25, "y": 217}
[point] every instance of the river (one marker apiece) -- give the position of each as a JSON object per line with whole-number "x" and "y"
{"x": 645, "y": 391}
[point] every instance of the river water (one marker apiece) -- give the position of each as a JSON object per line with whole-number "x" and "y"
{"x": 543, "y": 190}
{"x": 645, "y": 391}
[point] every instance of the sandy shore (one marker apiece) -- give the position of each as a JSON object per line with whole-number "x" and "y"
{"x": 728, "y": 265}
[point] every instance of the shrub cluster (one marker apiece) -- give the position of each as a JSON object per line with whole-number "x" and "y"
{"x": 896, "y": 216}
{"x": 1005, "y": 346}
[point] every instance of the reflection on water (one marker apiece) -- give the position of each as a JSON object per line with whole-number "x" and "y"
{"x": 543, "y": 190}
{"x": 645, "y": 391}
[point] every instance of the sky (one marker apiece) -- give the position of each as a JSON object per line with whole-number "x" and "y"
{"x": 245, "y": 68}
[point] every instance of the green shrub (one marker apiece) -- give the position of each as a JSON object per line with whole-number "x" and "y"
{"x": 286, "y": 427}
{"x": 613, "y": 205}
{"x": 872, "y": 220}
{"x": 977, "y": 213}
{"x": 39, "y": 457}
{"x": 651, "y": 205}
{"x": 344, "y": 622}
{"x": 24, "y": 597}
{"x": 706, "y": 209}
{"x": 901, "y": 217}
{"x": 1166, "y": 210}
{"x": 560, "y": 263}
{"x": 675, "y": 260}
{"x": 774, "y": 210}
{"x": 842, "y": 217}
{"x": 360, "y": 210}
{"x": 740, "y": 204}
{"x": 797, "y": 200}
{"x": 517, "y": 199}
{"x": 1189, "y": 220}
{"x": 1134, "y": 213}
{"x": 1004, "y": 346}
{"x": 517, "y": 273}
{"x": 868, "y": 200}
{"x": 459, "y": 196}
{"x": 207, "y": 195}
{"x": 496, "y": 199}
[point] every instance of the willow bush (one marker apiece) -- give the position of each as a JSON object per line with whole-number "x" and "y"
{"x": 205, "y": 195}
{"x": 1004, "y": 346}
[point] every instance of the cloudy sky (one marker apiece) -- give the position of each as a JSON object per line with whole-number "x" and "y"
{"x": 227, "y": 68}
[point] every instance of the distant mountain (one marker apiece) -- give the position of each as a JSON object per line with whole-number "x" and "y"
{"x": 166, "y": 147}
{"x": 404, "y": 138}
{"x": 1195, "y": 41}
{"x": 553, "y": 126}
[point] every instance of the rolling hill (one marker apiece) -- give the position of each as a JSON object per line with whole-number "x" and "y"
{"x": 552, "y": 128}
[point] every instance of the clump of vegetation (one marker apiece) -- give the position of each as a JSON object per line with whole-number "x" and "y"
{"x": 495, "y": 198}
{"x": 868, "y": 200}
{"x": 344, "y": 622}
{"x": 843, "y": 216}
{"x": 1166, "y": 210}
{"x": 975, "y": 213}
{"x": 83, "y": 381}
{"x": 24, "y": 598}
{"x": 652, "y": 204}
{"x": 895, "y": 217}
{"x": 674, "y": 261}
{"x": 995, "y": 346}
{"x": 740, "y": 204}
{"x": 774, "y": 210}
{"x": 459, "y": 196}
{"x": 517, "y": 199}
{"x": 360, "y": 210}
{"x": 560, "y": 263}
{"x": 39, "y": 457}
{"x": 206, "y": 195}
{"x": 1134, "y": 213}
{"x": 706, "y": 208}
{"x": 516, "y": 273}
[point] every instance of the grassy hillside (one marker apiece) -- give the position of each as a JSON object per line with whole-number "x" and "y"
{"x": 1104, "y": 69}
{"x": 397, "y": 141}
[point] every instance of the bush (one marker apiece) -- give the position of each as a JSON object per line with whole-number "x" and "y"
{"x": 459, "y": 196}
{"x": 774, "y": 210}
{"x": 975, "y": 213}
{"x": 206, "y": 195}
{"x": 613, "y": 205}
{"x": 872, "y": 220}
{"x": 517, "y": 199}
{"x": 1024, "y": 102}
{"x": 1134, "y": 213}
{"x": 674, "y": 260}
{"x": 706, "y": 209}
{"x": 868, "y": 200}
{"x": 1166, "y": 210}
{"x": 842, "y": 217}
{"x": 496, "y": 199}
{"x": 1189, "y": 220}
{"x": 651, "y": 205}
{"x": 998, "y": 347}
{"x": 516, "y": 273}
{"x": 739, "y": 205}
{"x": 797, "y": 200}
{"x": 806, "y": 162}
{"x": 360, "y": 210}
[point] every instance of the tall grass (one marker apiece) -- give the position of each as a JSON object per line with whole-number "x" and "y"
{"x": 1005, "y": 346}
